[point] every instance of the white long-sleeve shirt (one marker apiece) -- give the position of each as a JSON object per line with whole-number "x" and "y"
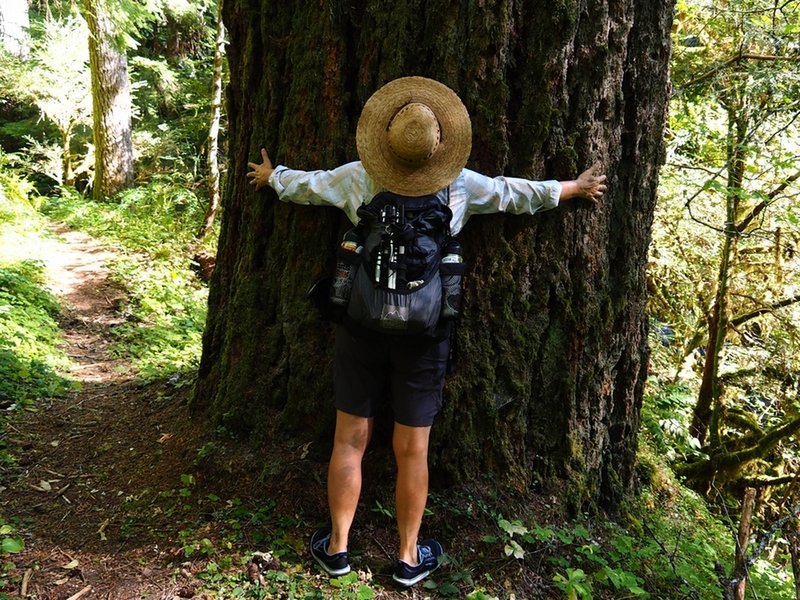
{"x": 348, "y": 186}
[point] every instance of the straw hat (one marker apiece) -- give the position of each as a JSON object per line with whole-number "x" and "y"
{"x": 414, "y": 136}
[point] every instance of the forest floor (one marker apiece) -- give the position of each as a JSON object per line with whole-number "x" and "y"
{"x": 119, "y": 493}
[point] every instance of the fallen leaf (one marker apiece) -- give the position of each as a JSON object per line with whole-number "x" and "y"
{"x": 164, "y": 437}
{"x": 45, "y": 486}
{"x": 70, "y": 565}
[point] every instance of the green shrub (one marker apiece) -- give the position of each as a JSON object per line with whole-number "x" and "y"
{"x": 29, "y": 337}
{"x": 30, "y": 359}
{"x": 153, "y": 229}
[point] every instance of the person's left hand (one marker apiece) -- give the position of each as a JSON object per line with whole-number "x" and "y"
{"x": 591, "y": 184}
{"x": 261, "y": 172}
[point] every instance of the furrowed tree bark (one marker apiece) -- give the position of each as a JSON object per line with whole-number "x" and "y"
{"x": 552, "y": 352}
{"x": 111, "y": 100}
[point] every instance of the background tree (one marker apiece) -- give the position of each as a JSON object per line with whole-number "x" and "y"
{"x": 111, "y": 99}
{"x": 724, "y": 270}
{"x": 55, "y": 78}
{"x": 737, "y": 82}
{"x": 213, "y": 130}
{"x": 552, "y": 351}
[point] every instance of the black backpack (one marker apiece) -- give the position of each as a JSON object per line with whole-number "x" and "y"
{"x": 392, "y": 274}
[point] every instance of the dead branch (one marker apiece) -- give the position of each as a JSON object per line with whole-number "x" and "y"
{"x": 82, "y": 593}
{"x": 741, "y": 57}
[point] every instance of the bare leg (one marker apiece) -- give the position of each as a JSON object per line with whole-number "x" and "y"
{"x": 344, "y": 475}
{"x": 411, "y": 452}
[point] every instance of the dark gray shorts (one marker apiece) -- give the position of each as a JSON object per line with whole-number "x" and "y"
{"x": 410, "y": 372}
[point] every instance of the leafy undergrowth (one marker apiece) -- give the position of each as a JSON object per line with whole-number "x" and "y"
{"x": 151, "y": 228}
{"x": 30, "y": 356}
{"x": 29, "y": 333}
{"x": 195, "y": 514}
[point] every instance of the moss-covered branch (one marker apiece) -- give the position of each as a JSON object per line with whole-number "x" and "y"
{"x": 725, "y": 465}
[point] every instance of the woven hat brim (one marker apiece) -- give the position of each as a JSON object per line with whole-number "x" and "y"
{"x": 443, "y": 166}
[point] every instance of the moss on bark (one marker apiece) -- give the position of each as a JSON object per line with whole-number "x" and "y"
{"x": 552, "y": 349}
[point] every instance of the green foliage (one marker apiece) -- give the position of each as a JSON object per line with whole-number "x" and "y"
{"x": 666, "y": 415}
{"x": 16, "y": 211}
{"x": 349, "y": 586}
{"x": 152, "y": 226}
{"x": 170, "y": 46}
{"x": 665, "y": 544}
{"x": 171, "y": 101}
{"x": 159, "y": 218}
{"x": 575, "y": 584}
{"x": 10, "y": 544}
{"x": 725, "y": 235}
{"x": 54, "y": 78}
{"x": 29, "y": 334}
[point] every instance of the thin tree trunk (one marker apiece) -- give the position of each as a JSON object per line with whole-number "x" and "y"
{"x": 739, "y": 579}
{"x": 67, "y": 173}
{"x": 111, "y": 97}
{"x": 213, "y": 132}
{"x": 710, "y": 401}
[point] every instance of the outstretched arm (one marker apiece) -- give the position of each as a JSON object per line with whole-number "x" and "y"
{"x": 344, "y": 187}
{"x": 589, "y": 185}
{"x": 260, "y": 174}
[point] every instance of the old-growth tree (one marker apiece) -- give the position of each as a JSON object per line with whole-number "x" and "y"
{"x": 552, "y": 351}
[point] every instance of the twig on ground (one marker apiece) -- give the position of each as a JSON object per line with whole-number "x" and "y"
{"x": 69, "y": 556}
{"x": 26, "y": 579}
{"x": 377, "y": 541}
{"x": 82, "y": 593}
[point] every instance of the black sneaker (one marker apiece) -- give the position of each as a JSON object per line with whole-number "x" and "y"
{"x": 429, "y": 553}
{"x": 334, "y": 565}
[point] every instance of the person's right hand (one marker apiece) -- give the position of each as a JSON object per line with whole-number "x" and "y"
{"x": 591, "y": 184}
{"x": 260, "y": 174}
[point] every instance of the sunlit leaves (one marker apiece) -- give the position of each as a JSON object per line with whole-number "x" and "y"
{"x": 732, "y": 167}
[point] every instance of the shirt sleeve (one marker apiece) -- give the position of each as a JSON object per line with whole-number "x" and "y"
{"x": 485, "y": 195}
{"x": 345, "y": 187}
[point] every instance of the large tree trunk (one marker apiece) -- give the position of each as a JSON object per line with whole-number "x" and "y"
{"x": 111, "y": 99}
{"x": 552, "y": 353}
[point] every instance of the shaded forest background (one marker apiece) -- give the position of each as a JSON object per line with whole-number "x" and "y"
{"x": 717, "y": 495}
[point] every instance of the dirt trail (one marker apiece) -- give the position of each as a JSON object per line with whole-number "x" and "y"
{"x": 100, "y": 495}
{"x": 91, "y": 464}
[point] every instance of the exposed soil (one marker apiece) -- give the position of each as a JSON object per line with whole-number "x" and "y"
{"x": 116, "y": 480}
{"x": 80, "y": 457}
